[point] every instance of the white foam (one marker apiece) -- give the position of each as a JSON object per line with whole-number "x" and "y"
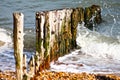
{"x": 97, "y": 45}
{"x": 4, "y": 36}
{"x": 98, "y": 54}
{"x": 79, "y": 62}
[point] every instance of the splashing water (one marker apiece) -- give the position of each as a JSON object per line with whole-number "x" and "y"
{"x": 98, "y": 54}
{"x": 6, "y": 51}
{"x": 97, "y": 45}
{"x": 99, "y": 50}
{"x": 4, "y": 37}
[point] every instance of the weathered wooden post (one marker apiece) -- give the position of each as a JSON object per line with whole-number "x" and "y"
{"x": 39, "y": 56}
{"x": 31, "y": 67}
{"x": 56, "y": 32}
{"x": 18, "y": 43}
{"x": 24, "y": 65}
{"x": 92, "y": 16}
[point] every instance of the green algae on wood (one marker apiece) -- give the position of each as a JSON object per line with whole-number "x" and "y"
{"x": 56, "y": 31}
{"x": 39, "y": 55}
{"x": 46, "y": 43}
{"x": 92, "y": 16}
{"x": 56, "y": 35}
{"x": 74, "y": 23}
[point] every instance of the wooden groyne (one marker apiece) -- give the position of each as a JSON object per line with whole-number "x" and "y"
{"x": 92, "y": 16}
{"x": 56, "y": 31}
{"x": 55, "y": 36}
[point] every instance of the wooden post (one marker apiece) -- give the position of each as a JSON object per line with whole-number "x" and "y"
{"x": 92, "y": 16}
{"x": 24, "y": 65}
{"x": 56, "y": 32}
{"x": 39, "y": 56}
{"x": 18, "y": 43}
{"x": 32, "y": 67}
{"x": 46, "y": 43}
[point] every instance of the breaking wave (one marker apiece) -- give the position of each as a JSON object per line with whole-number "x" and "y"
{"x": 96, "y": 44}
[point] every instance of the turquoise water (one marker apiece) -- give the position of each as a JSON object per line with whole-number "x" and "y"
{"x": 104, "y": 46}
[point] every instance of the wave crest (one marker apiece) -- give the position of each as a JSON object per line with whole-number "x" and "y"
{"x": 97, "y": 45}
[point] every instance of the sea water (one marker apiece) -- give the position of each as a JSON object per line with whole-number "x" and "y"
{"x": 98, "y": 54}
{"x": 100, "y": 47}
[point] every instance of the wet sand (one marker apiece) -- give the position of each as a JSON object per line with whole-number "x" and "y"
{"x": 2, "y": 43}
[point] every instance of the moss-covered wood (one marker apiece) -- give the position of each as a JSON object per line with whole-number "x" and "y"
{"x": 76, "y": 18}
{"x": 46, "y": 43}
{"x": 55, "y": 36}
{"x": 56, "y": 31}
{"x": 39, "y": 56}
{"x": 92, "y": 16}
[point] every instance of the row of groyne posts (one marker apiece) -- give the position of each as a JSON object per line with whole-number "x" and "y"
{"x": 55, "y": 36}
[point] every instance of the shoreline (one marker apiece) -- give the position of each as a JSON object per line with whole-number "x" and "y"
{"x": 52, "y": 75}
{"x": 74, "y": 76}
